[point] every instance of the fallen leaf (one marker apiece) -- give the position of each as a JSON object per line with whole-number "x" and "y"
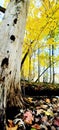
{"x": 33, "y": 129}
{"x": 36, "y": 126}
{"x": 28, "y": 117}
{"x": 53, "y": 128}
{"x": 39, "y": 111}
{"x": 10, "y": 123}
{"x": 30, "y": 99}
{"x": 56, "y": 122}
{"x": 44, "y": 118}
{"x": 11, "y": 128}
{"x": 49, "y": 113}
{"x": 19, "y": 122}
{"x": 54, "y": 100}
{"x": 44, "y": 106}
{"x": 43, "y": 127}
{"x": 36, "y": 119}
{"x": 47, "y": 100}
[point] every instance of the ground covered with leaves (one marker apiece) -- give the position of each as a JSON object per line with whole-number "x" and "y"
{"x": 42, "y": 113}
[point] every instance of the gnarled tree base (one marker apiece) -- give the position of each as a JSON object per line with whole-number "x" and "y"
{"x": 14, "y": 98}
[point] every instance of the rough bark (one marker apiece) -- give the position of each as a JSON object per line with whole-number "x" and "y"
{"x": 11, "y": 40}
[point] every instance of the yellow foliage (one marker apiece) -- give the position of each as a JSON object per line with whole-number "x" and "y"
{"x": 43, "y": 59}
{"x": 6, "y": 3}
{"x": 51, "y": 41}
{"x": 42, "y": 21}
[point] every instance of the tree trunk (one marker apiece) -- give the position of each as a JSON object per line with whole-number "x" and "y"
{"x": 29, "y": 76}
{"x": 53, "y": 75}
{"x": 50, "y": 61}
{"x": 11, "y": 40}
{"x": 38, "y": 64}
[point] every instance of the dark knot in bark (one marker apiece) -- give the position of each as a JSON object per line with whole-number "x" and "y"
{"x": 12, "y": 37}
{"x": 4, "y": 62}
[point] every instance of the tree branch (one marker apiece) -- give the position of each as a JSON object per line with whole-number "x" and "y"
{"x": 26, "y": 55}
{"x": 45, "y": 70}
{"x": 2, "y": 9}
{"x": 24, "y": 58}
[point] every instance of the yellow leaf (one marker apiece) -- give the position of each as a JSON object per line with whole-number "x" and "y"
{"x": 49, "y": 113}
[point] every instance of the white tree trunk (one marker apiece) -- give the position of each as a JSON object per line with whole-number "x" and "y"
{"x": 11, "y": 40}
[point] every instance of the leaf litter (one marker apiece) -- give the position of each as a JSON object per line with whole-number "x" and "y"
{"x": 41, "y": 114}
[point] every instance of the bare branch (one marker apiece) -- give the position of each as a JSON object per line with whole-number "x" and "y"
{"x": 2, "y": 9}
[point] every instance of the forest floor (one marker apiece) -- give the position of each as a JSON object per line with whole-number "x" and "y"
{"x": 42, "y": 113}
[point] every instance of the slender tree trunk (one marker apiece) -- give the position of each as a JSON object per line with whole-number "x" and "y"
{"x": 29, "y": 67}
{"x": 33, "y": 65}
{"x": 53, "y": 80}
{"x": 11, "y": 40}
{"x": 50, "y": 60}
{"x": 38, "y": 64}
